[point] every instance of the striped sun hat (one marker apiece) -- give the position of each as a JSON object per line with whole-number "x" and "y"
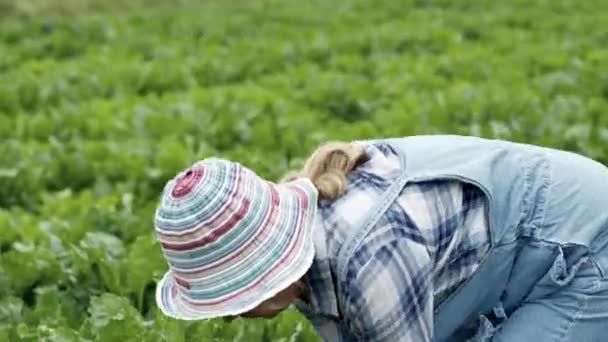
{"x": 231, "y": 239}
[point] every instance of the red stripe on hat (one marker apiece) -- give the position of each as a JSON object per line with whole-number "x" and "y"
{"x": 182, "y": 282}
{"x": 216, "y": 233}
{"x": 269, "y": 216}
{"x": 213, "y": 219}
{"x": 187, "y": 182}
{"x": 303, "y": 197}
{"x": 304, "y": 206}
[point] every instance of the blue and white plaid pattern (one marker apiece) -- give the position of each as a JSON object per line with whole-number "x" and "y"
{"x": 426, "y": 244}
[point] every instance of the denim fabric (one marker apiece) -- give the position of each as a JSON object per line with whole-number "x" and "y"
{"x": 544, "y": 276}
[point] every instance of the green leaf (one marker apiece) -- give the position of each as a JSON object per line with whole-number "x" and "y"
{"x": 62, "y": 334}
{"x": 145, "y": 259}
{"x": 165, "y": 329}
{"x": 113, "y": 318}
{"x": 57, "y": 308}
{"x": 106, "y": 252}
{"x": 11, "y": 309}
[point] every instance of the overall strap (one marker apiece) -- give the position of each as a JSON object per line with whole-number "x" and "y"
{"x": 353, "y": 241}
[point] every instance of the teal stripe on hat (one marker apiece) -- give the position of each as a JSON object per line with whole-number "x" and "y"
{"x": 271, "y": 252}
{"x": 204, "y": 202}
{"x": 236, "y": 237}
{"x": 213, "y": 177}
{"x": 276, "y": 246}
{"x": 231, "y": 241}
{"x": 238, "y": 279}
{"x": 214, "y": 189}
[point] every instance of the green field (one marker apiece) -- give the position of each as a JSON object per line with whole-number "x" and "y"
{"x": 97, "y": 112}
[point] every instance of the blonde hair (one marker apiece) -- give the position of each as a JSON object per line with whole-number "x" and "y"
{"x": 329, "y": 166}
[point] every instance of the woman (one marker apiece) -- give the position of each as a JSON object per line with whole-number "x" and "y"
{"x": 425, "y": 238}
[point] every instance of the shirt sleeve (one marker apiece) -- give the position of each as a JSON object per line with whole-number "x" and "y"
{"x": 389, "y": 293}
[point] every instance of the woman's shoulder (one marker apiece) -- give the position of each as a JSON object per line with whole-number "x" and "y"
{"x": 382, "y": 160}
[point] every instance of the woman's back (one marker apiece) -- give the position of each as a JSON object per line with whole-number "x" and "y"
{"x": 428, "y": 242}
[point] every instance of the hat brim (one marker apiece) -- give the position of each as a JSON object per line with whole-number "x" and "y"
{"x": 173, "y": 303}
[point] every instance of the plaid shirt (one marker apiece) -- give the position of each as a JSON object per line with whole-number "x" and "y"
{"x": 427, "y": 243}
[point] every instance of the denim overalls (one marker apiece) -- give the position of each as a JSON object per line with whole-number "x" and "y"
{"x": 545, "y": 275}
